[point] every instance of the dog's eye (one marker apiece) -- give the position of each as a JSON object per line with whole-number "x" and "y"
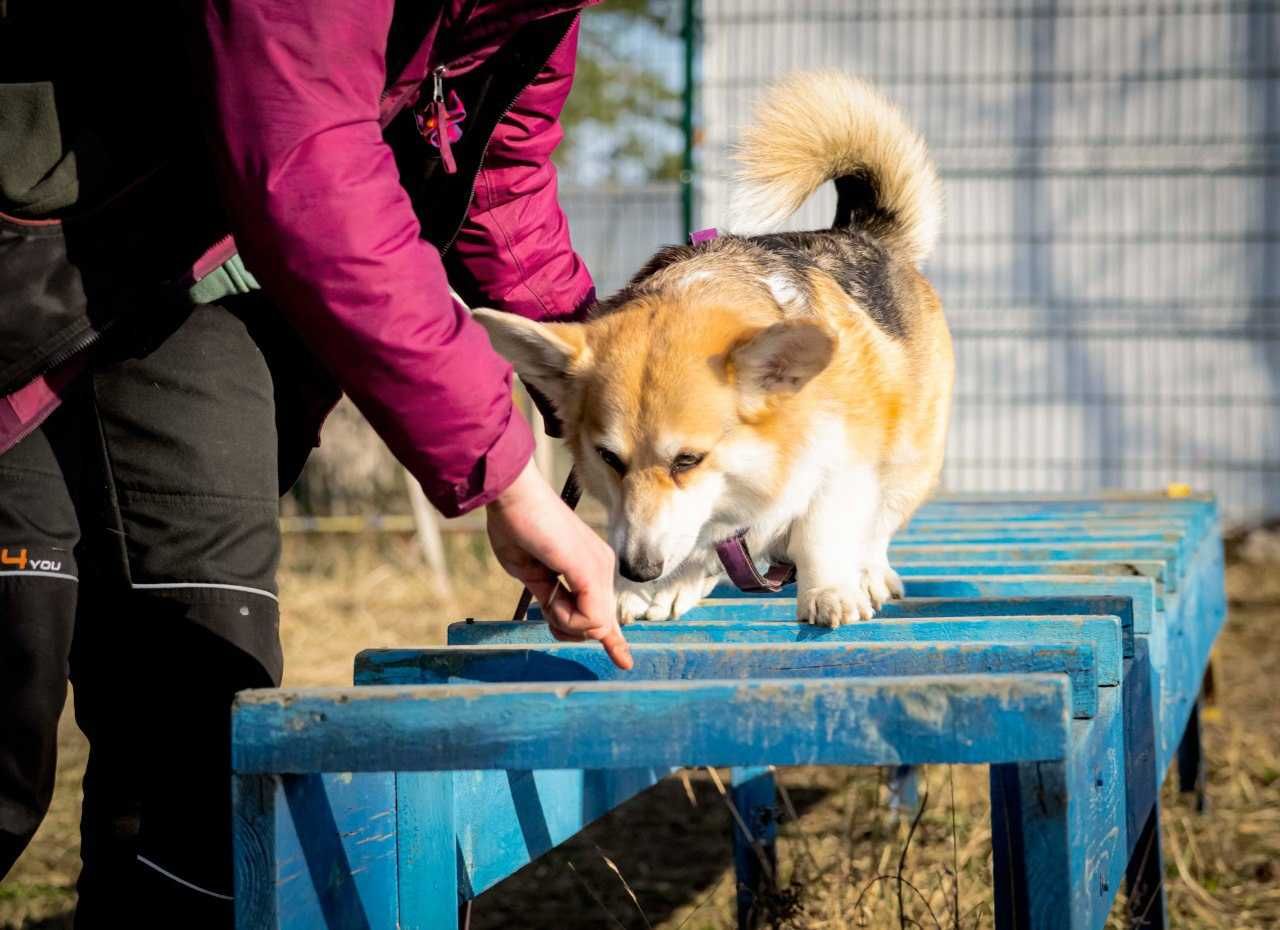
{"x": 685, "y": 461}
{"x": 612, "y": 460}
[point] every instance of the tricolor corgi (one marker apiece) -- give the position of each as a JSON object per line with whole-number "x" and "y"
{"x": 795, "y": 385}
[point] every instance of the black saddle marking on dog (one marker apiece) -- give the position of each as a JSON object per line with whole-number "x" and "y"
{"x": 854, "y": 259}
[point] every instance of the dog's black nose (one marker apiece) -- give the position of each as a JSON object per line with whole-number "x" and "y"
{"x": 639, "y": 569}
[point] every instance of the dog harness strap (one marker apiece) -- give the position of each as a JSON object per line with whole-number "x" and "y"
{"x": 741, "y": 568}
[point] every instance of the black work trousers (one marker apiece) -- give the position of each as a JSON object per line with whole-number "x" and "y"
{"x": 139, "y": 543}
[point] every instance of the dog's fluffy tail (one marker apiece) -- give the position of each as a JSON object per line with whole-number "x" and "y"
{"x": 819, "y": 126}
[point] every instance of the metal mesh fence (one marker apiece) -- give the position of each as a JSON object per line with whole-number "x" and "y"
{"x": 1110, "y": 260}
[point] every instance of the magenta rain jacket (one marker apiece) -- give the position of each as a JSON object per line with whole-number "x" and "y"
{"x": 322, "y": 220}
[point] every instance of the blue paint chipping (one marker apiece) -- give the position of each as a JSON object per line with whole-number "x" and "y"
{"x": 1060, "y": 640}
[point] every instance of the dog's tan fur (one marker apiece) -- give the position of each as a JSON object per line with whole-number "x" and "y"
{"x": 812, "y": 372}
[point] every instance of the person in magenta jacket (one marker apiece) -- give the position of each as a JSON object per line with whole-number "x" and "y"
{"x": 193, "y": 278}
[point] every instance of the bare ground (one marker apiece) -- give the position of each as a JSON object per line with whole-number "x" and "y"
{"x": 661, "y": 862}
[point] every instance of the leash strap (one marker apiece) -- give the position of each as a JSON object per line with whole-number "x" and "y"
{"x": 570, "y": 494}
{"x": 738, "y": 564}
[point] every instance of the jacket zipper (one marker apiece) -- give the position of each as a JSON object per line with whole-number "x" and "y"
{"x": 65, "y": 354}
{"x": 439, "y": 115}
{"x": 72, "y": 349}
{"x": 471, "y": 192}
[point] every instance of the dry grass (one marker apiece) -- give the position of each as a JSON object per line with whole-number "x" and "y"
{"x": 661, "y": 862}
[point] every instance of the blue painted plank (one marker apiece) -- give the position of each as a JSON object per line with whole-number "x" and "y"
{"x": 1014, "y": 553}
{"x": 505, "y": 820}
{"x": 427, "y": 855}
{"x": 1200, "y": 512}
{"x": 1156, "y": 569}
{"x": 783, "y": 609}
{"x": 493, "y": 664}
{"x": 1058, "y": 830}
{"x": 1195, "y": 619}
{"x": 1164, "y": 522}
{"x": 253, "y": 841}
{"x": 969, "y": 719}
{"x": 1103, "y": 633}
{"x": 316, "y": 851}
{"x": 916, "y": 573}
{"x": 1031, "y": 536}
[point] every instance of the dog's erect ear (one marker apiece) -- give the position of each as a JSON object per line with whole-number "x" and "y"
{"x": 545, "y": 355}
{"x": 782, "y": 358}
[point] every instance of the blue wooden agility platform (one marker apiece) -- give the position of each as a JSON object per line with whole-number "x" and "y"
{"x": 1061, "y": 641}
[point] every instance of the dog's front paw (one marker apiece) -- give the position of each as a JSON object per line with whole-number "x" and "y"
{"x": 663, "y": 600}
{"x": 631, "y": 606}
{"x": 881, "y": 584}
{"x": 833, "y": 605}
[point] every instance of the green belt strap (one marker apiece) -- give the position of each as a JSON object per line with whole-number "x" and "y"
{"x": 231, "y": 277}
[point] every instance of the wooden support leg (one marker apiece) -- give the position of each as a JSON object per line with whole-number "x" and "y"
{"x": 1144, "y": 877}
{"x": 253, "y": 799}
{"x": 904, "y": 789}
{"x": 1191, "y": 775}
{"x": 1058, "y": 831}
{"x": 316, "y": 851}
{"x": 754, "y": 796}
{"x": 428, "y": 852}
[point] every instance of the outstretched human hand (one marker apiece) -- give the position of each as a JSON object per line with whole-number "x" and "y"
{"x": 538, "y": 540}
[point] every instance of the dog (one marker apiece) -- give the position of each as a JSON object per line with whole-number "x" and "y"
{"x": 795, "y": 385}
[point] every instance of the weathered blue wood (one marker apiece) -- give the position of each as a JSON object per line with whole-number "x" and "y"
{"x": 1194, "y": 620}
{"x": 506, "y": 816}
{"x": 784, "y": 609}
{"x": 1059, "y": 834}
{"x": 1135, "y": 568}
{"x": 1041, "y": 552}
{"x": 587, "y": 662}
{"x": 841, "y": 721}
{"x": 1201, "y": 514}
{"x": 315, "y": 851}
{"x": 1184, "y": 525}
{"x": 1032, "y": 536}
{"x": 427, "y": 860}
{"x": 505, "y": 820}
{"x": 256, "y": 855}
{"x": 1141, "y": 592}
{"x": 1058, "y": 506}
{"x": 1141, "y": 752}
{"x": 1103, "y": 633}
{"x": 755, "y": 856}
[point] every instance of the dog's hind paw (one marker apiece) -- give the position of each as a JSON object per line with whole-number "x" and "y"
{"x": 834, "y": 605}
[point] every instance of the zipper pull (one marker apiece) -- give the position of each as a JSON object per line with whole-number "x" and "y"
{"x": 440, "y": 117}
{"x": 437, "y": 92}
